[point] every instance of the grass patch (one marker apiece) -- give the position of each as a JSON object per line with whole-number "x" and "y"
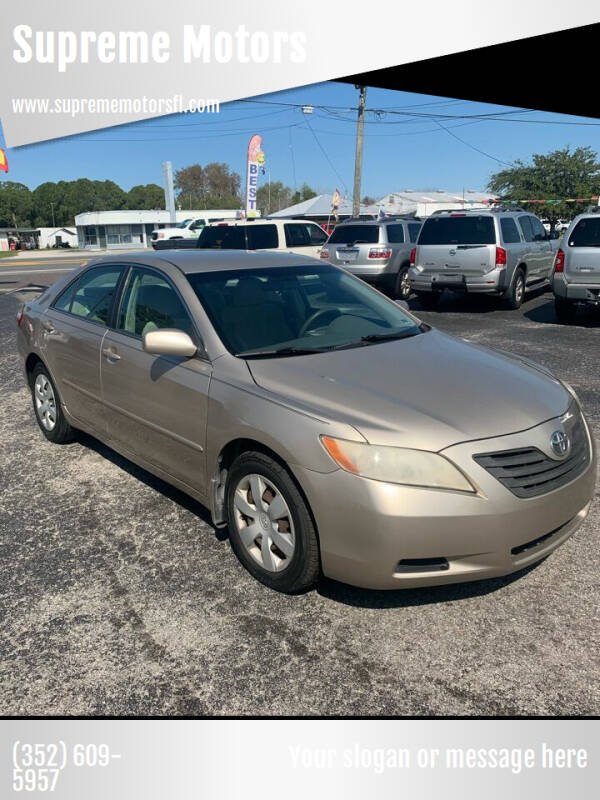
{"x": 7, "y": 253}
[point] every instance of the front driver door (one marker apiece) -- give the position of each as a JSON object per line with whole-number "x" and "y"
{"x": 155, "y": 406}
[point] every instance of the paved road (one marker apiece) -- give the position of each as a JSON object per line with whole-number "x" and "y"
{"x": 22, "y": 271}
{"x": 118, "y": 597}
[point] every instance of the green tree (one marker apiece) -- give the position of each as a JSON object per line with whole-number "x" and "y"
{"x": 553, "y": 177}
{"x": 272, "y": 197}
{"x": 305, "y": 192}
{"x": 212, "y": 186}
{"x": 146, "y": 197}
{"x": 368, "y": 200}
{"x": 16, "y": 204}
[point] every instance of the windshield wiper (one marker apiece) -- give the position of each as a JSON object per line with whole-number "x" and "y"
{"x": 382, "y": 337}
{"x": 282, "y": 351}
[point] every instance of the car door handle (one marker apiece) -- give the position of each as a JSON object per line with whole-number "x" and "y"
{"x": 111, "y": 354}
{"x": 48, "y": 326}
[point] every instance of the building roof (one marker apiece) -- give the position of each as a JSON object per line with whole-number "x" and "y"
{"x": 127, "y": 216}
{"x": 434, "y": 196}
{"x": 319, "y": 206}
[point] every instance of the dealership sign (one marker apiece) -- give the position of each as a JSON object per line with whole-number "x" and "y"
{"x": 256, "y": 161}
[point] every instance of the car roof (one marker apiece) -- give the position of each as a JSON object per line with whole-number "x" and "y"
{"x": 200, "y": 260}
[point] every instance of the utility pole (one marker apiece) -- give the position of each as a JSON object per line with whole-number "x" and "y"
{"x": 360, "y": 131}
{"x": 53, "y": 222}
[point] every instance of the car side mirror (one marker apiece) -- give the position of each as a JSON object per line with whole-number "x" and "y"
{"x": 169, "y": 342}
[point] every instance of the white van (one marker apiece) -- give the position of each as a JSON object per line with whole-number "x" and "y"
{"x": 192, "y": 227}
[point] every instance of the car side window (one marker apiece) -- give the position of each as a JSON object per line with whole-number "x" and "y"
{"x": 262, "y": 237}
{"x": 413, "y": 231}
{"x": 510, "y": 234}
{"x": 296, "y": 235}
{"x": 150, "y": 303}
{"x": 395, "y": 234}
{"x": 91, "y": 296}
{"x": 316, "y": 234}
{"x": 525, "y": 223}
{"x": 539, "y": 232}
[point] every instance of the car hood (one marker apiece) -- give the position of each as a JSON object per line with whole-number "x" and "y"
{"x": 428, "y": 391}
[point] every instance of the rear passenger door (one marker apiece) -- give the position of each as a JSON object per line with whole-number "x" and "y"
{"x": 545, "y": 254}
{"x": 156, "y": 406}
{"x": 531, "y": 253}
{"x": 73, "y": 329}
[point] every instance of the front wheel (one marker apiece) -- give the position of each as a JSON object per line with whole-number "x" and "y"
{"x": 270, "y": 527}
{"x": 565, "y": 310}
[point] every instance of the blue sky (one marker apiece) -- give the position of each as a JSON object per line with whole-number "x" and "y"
{"x": 401, "y": 151}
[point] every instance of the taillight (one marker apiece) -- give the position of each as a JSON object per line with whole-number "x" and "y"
{"x": 500, "y": 257}
{"x": 20, "y": 316}
{"x": 324, "y": 253}
{"x": 413, "y": 256}
{"x": 379, "y": 252}
{"x": 559, "y": 261}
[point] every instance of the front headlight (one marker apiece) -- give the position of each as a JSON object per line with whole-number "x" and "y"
{"x": 396, "y": 465}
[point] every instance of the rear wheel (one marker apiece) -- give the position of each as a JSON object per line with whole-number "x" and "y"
{"x": 402, "y": 290}
{"x": 515, "y": 293}
{"x": 429, "y": 300}
{"x": 270, "y": 527}
{"x": 566, "y": 310}
{"x": 48, "y": 409}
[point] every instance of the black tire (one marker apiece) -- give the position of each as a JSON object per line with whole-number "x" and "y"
{"x": 565, "y": 310}
{"x": 303, "y": 570}
{"x": 61, "y": 432}
{"x": 402, "y": 290}
{"x": 515, "y": 294}
{"x": 429, "y": 301}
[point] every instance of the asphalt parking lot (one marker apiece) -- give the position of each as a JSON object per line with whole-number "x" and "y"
{"x": 117, "y": 597}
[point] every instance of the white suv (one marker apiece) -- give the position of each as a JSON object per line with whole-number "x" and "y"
{"x": 288, "y": 235}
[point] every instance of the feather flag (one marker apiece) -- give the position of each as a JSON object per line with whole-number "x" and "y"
{"x": 3, "y": 161}
{"x": 336, "y": 202}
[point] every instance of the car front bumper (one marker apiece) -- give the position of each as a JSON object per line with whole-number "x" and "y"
{"x": 580, "y": 292}
{"x": 492, "y": 282}
{"x": 368, "y": 527}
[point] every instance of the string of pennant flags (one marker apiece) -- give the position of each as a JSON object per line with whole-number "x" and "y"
{"x": 546, "y": 202}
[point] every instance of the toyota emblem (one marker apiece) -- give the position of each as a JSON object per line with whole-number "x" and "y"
{"x": 560, "y": 443}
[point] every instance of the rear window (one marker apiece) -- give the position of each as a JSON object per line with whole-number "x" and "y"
{"x": 355, "y": 234}
{"x": 585, "y": 234}
{"x": 458, "y": 230}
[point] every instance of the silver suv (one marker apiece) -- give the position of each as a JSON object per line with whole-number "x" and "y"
{"x": 576, "y": 275}
{"x": 492, "y": 252}
{"x": 377, "y": 251}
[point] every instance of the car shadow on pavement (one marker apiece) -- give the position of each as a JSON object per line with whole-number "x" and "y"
{"x": 181, "y": 498}
{"x": 454, "y": 303}
{"x": 427, "y": 595}
{"x": 586, "y": 317}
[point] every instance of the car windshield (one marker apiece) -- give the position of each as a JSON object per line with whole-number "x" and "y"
{"x": 183, "y": 224}
{"x": 458, "y": 230}
{"x": 281, "y": 311}
{"x": 349, "y": 234}
{"x": 586, "y": 233}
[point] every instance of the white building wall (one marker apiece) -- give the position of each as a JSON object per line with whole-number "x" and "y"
{"x": 3, "y": 241}
{"x": 48, "y": 236}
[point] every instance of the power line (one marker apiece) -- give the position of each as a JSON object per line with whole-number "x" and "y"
{"x": 467, "y": 144}
{"x": 329, "y": 161}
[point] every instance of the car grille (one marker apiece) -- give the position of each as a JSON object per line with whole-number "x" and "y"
{"x": 528, "y": 472}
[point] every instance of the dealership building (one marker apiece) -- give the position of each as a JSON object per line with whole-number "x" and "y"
{"x": 100, "y": 230}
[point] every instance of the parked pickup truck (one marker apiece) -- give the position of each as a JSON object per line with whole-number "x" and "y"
{"x": 191, "y": 228}
{"x": 287, "y": 235}
{"x": 496, "y": 251}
